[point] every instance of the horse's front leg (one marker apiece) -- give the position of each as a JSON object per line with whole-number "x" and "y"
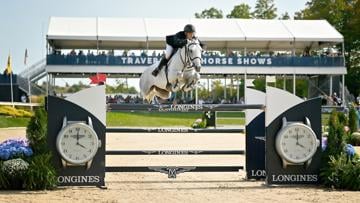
{"x": 176, "y": 86}
{"x": 192, "y": 82}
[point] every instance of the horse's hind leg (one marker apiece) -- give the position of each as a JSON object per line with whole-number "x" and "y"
{"x": 163, "y": 94}
{"x": 150, "y": 95}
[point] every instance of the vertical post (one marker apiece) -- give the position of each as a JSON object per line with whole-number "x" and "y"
{"x": 97, "y": 35}
{"x": 225, "y": 88}
{"x": 238, "y": 90}
{"x": 284, "y": 83}
{"x": 196, "y": 95}
{"x": 29, "y": 84}
{"x": 331, "y": 85}
{"x": 294, "y": 84}
{"x": 47, "y": 85}
{"x": 343, "y": 53}
{"x": 11, "y": 89}
{"x": 343, "y": 90}
{"x": 208, "y": 86}
{"x": 231, "y": 86}
{"x": 245, "y": 86}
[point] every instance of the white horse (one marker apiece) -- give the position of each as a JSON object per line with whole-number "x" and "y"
{"x": 183, "y": 73}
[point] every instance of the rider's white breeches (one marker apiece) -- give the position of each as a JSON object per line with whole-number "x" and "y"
{"x": 169, "y": 49}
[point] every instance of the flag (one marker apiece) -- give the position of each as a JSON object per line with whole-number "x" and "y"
{"x": 8, "y": 66}
{"x": 26, "y": 56}
{"x": 99, "y": 78}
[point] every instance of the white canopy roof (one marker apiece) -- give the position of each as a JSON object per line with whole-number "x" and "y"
{"x": 142, "y": 33}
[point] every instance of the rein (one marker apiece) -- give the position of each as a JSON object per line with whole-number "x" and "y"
{"x": 187, "y": 62}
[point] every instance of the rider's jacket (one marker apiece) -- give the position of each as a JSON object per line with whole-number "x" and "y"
{"x": 179, "y": 40}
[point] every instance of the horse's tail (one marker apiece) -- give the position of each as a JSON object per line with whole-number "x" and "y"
{"x": 142, "y": 86}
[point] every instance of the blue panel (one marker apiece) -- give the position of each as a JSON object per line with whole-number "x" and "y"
{"x": 281, "y": 61}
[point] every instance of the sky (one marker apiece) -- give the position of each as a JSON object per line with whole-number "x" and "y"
{"x": 24, "y": 23}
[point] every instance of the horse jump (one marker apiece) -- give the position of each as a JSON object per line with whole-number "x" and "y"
{"x": 76, "y": 108}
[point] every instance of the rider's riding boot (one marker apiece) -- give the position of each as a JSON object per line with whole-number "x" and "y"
{"x": 160, "y": 66}
{"x": 169, "y": 87}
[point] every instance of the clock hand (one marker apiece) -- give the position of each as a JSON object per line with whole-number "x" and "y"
{"x": 297, "y": 137}
{"x": 301, "y": 145}
{"x": 81, "y": 145}
{"x": 77, "y": 137}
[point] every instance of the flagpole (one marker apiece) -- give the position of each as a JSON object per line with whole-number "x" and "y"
{"x": 29, "y": 83}
{"x": 12, "y": 94}
{"x": 11, "y": 82}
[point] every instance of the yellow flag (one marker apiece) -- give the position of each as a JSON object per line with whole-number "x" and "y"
{"x": 8, "y": 66}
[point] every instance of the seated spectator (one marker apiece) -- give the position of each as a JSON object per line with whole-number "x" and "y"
{"x": 143, "y": 54}
{"x": 73, "y": 53}
{"x": 337, "y": 101}
{"x": 23, "y": 98}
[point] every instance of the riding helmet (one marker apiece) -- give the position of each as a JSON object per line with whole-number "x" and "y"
{"x": 189, "y": 28}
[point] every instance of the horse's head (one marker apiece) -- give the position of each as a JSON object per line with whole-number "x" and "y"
{"x": 194, "y": 53}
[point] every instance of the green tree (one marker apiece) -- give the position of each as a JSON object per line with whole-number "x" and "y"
{"x": 352, "y": 80}
{"x": 344, "y": 15}
{"x": 240, "y": 11}
{"x": 265, "y": 9}
{"x": 298, "y": 15}
{"x": 285, "y": 16}
{"x": 120, "y": 87}
{"x": 352, "y": 120}
{"x": 210, "y": 13}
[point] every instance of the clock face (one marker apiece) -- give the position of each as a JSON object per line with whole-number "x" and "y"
{"x": 77, "y": 143}
{"x": 296, "y": 143}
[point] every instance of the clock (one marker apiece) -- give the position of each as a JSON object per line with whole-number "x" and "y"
{"x": 77, "y": 143}
{"x": 296, "y": 143}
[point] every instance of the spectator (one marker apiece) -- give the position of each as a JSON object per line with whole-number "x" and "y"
{"x": 143, "y": 54}
{"x": 23, "y": 98}
{"x": 125, "y": 53}
{"x": 337, "y": 101}
{"x": 73, "y": 53}
{"x": 82, "y": 58}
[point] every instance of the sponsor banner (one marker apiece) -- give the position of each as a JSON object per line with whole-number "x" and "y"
{"x": 206, "y": 60}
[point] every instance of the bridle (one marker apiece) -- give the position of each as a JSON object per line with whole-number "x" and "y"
{"x": 188, "y": 61}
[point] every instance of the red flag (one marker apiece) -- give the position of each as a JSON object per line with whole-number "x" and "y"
{"x": 99, "y": 78}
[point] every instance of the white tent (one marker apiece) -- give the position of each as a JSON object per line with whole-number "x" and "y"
{"x": 149, "y": 33}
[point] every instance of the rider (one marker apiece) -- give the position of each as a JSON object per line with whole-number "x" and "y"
{"x": 174, "y": 42}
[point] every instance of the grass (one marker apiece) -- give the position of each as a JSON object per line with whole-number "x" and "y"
{"x": 150, "y": 119}
{"x": 157, "y": 119}
{"x": 235, "y": 121}
{"x": 8, "y": 121}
